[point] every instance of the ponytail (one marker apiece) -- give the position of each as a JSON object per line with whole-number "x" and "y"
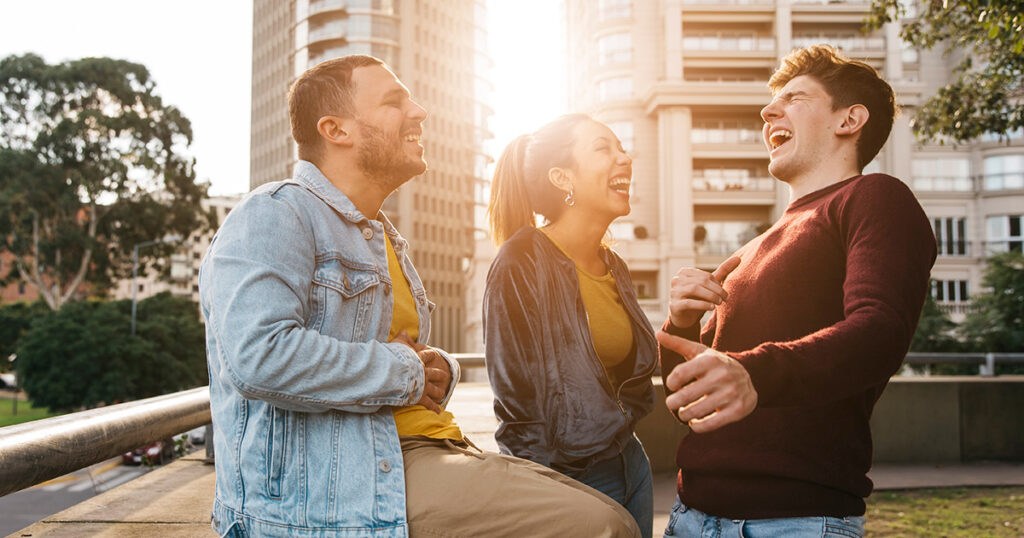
{"x": 510, "y": 209}
{"x": 520, "y": 188}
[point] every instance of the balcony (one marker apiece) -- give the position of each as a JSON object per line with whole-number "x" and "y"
{"x": 327, "y": 33}
{"x": 850, "y": 44}
{"x": 323, "y": 6}
{"x": 733, "y": 191}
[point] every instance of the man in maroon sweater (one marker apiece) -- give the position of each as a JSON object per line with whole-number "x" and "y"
{"x": 815, "y": 316}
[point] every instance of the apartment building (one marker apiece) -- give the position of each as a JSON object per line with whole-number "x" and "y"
{"x": 682, "y": 83}
{"x": 182, "y": 279}
{"x": 439, "y": 50}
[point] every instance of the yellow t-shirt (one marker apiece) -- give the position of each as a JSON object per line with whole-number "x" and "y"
{"x": 413, "y": 419}
{"x": 610, "y": 328}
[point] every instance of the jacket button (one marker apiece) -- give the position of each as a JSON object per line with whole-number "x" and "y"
{"x": 385, "y": 466}
{"x": 368, "y": 233}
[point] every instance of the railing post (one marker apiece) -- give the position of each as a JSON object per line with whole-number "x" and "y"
{"x": 989, "y": 368}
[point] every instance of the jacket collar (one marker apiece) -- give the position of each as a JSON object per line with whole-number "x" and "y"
{"x": 309, "y": 176}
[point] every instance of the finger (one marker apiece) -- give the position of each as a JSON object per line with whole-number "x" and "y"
{"x": 685, "y": 305}
{"x": 429, "y": 404}
{"x": 682, "y": 346}
{"x": 727, "y": 267}
{"x": 708, "y": 291}
{"x": 711, "y": 422}
{"x": 689, "y": 393}
{"x": 681, "y": 375}
{"x": 698, "y": 410}
{"x": 436, "y": 376}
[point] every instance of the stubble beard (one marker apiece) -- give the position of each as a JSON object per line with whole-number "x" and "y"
{"x": 382, "y": 159}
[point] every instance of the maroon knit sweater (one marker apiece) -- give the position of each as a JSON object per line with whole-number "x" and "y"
{"x": 821, "y": 312}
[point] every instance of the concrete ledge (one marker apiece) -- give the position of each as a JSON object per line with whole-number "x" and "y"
{"x": 955, "y": 419}
{"x": 173, "y": 501}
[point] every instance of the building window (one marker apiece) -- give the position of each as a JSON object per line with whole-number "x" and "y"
{"x": 728, "y": 42}
{"x": 21, "y": 288}
{"x": 615, "y": 49}
{"x": 615, "y": 9}
{"x": 1004, "y": 172}
{"x": 952, "y": 174}
{"x": 722, "y": 238}
{"x": 615, "y": 88}
{"x": 623, "y": 130}
{"x": 950, "y": 235}
{"x": 725, "y": 132}
{"x": 949, "y": 291}
{"x": 1004, "y": 233}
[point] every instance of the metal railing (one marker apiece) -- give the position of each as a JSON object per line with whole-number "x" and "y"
{"x": 37, "y": 451}
{"x": 986, "y": 362}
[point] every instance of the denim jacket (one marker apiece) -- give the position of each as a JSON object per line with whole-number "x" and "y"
{"x": 297, "y": 298}
{"x": 553, "y": 401}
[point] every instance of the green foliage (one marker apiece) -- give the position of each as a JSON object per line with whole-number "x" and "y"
{"x": 91, "y": 164}
{"x": 997, "y": 322}
{"x": 934, "y": 330}
{"x": 15, "y": 319}
{"x": 985, "y": 96}
{"x": 83, "y": 354}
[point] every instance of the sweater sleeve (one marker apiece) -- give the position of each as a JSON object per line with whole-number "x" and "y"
{"x": 514, "y": 352}
{"x": 890, "y": 249}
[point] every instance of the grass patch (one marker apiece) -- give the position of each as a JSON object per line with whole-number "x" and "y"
{"x": 996, "y": 511}
{"x": 26, "y": 412}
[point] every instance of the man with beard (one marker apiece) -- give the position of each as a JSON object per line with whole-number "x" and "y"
{"x": 327, "y": 404}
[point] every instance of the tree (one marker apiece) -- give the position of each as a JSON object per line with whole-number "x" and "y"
{"x": 986, "y": 95}
{"x": 997, "y": 320}
{"x": 83, "y": 355}
{"x": 91, "y": 164}
{"x": 15, "y": 320}
{"x": 935, "y": 331}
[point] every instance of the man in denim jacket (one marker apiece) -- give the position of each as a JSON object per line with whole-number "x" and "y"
{"x": 327, "y": 407}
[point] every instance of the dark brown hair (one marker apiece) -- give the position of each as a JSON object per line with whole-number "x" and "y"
{"x": 848, "y": 82}
{"x": 323, "y": 90}
{"x": 520, "y": 188}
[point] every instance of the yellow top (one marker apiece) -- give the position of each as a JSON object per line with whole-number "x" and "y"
{"x": 610, "y": 328}
{"x": 413, "y": 419}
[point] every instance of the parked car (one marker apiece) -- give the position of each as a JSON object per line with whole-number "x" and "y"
{"x": 156, "y": 453}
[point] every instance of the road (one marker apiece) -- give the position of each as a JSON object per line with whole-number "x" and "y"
{"x": 21, "y": 509}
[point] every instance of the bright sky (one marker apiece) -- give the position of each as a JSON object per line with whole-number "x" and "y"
{"x": 199, "y": 53}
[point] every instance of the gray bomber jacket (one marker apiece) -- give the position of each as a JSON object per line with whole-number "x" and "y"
{"x": 553, "y": 401}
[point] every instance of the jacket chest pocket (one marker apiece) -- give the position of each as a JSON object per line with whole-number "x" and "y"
{"x": 344, "y": 300}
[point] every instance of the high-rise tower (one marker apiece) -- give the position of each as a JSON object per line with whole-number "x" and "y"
{"x": 438, "y": 48}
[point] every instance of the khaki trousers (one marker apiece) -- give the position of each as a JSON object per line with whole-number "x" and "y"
{"x": 460, "y": 492}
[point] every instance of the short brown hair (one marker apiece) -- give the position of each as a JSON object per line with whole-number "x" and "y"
{"x": 324, "y": 89}
{"x": 848, "y": 82}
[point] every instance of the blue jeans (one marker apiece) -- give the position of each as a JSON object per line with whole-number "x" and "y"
{"x": 690, "y": 522}
{"x": 625, "y": 478}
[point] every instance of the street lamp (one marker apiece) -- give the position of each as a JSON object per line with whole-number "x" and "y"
{"x": 171, "y": 238}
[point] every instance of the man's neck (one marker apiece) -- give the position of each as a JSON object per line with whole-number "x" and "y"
{"x": 820, "y": 177}
{"x": 364, "y": 193}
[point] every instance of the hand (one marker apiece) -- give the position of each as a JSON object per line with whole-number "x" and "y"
{"x": 712, "y": 389}
{"x": 694, "y": 292}
{"x": 436, "y": 373}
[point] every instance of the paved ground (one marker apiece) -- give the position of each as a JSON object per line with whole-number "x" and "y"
{"x": 175, "y": 500}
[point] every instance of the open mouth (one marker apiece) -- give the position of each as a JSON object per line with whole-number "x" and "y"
{"x": 780, "y": 137}
{"x": 412, "y": 137}
{"x": 620, "y": 185}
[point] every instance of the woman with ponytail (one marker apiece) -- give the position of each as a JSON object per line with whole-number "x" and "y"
{"x": 569, "y": 351}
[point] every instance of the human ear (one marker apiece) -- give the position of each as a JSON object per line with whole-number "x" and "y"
{"x": 334, "y": 131}
{"x": 560, "y": 178}
{"x": 854, "y": 120}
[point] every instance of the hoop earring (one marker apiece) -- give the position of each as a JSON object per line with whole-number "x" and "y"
{"x": 570, "y": 199}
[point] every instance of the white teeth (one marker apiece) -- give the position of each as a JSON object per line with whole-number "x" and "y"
{"x": 780, "y": 137}
{"x": 412, "y": 138}
{"x": 619, "y": 183}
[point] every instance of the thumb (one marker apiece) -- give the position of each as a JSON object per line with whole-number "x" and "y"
{"x": 687, "y": 348}
{"x": 727, "y": 267}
